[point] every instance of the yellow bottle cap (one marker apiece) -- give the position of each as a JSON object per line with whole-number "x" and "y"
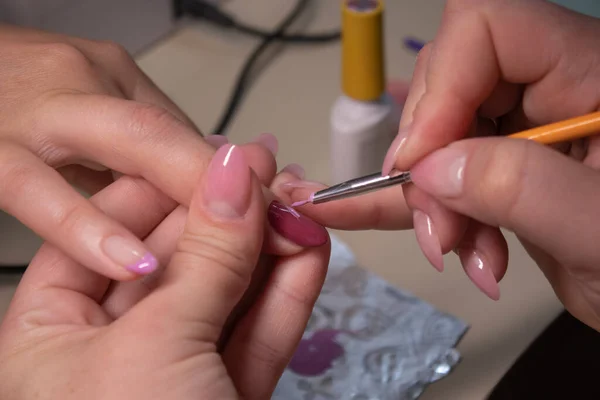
{"x": 363, "y": 70}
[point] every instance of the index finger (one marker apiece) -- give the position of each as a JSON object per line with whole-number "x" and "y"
{"x": 478, "y": 45}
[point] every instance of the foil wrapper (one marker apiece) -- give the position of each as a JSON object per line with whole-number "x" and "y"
{"x": 367, "y": 340}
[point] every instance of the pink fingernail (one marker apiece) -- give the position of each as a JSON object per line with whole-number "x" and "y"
{"x": 479, "y": 273}
{"x": 130, "y": 254}
{"x": 428, "y": 239}
{"x": 227, "y": 183}
{"x": 296, "y": 227}
{"x": 441, "y": 173}
{"x": 269, "y": 141}
{"x": 294, "y": 169}
{"x": 390, "y": 157}
{"x": 216, "y": 141}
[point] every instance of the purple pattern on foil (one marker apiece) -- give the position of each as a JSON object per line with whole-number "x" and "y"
{"x": 316, "y": 354}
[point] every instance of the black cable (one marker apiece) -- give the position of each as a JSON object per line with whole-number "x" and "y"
{"x": 290, "y": 38}
{"x": 12, "y": 269}
{"x": 213, "y": 14}
{"x": 244, "y": 76}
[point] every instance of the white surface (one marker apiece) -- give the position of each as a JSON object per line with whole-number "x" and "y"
{"x": 197, "y": 67}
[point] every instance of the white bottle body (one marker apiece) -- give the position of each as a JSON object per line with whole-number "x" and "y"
{"x": 361, "y": 133}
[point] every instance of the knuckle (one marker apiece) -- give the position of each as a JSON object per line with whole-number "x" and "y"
{"x": 62, "y": 56}
{"x": 502, "y": 177}
{"x": 216, "y": 248}
{"x": 151, "y": 122}
{"x": 69, "y": 217}
{"x": 114, "y": 50}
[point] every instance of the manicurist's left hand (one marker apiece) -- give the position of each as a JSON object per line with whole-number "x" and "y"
{"x": 199, "y": 329}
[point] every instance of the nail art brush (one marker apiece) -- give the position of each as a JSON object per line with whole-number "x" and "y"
{"x": 567, "y": 130}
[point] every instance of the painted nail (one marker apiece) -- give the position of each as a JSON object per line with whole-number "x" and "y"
{"x": 269, "y": 141}
{"x": 390, "y": 157}
{"x": 428, "y": 239}
{"x": 441, "y": 173}
{"x": 479, "y": 273}
{"x": 216, "y": 141}
{"x": 227, "y": 183}
{"x": 296, "y": 227}
{"x": 130, "y": 254}
{"x": 294, "y": 169}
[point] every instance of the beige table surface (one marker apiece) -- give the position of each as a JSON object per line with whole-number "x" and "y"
{"x": 197, "y": 66}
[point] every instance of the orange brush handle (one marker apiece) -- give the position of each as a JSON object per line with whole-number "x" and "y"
{"x": 563, "y": 131}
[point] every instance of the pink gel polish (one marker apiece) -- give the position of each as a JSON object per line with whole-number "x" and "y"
{"x": 295, "y": 227}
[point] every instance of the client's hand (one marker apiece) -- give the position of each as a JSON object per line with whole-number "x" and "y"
{"x": 181, "y": 333}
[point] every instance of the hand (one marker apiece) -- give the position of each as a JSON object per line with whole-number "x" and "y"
{"x": 495, "y": 67}
{"x": 67, "y": 336}
{"x": 71, "y": 110}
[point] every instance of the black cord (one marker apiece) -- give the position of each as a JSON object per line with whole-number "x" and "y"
{"x": 212, "y": 13}
{"x": 244, "y": 77}
{"x": 290, "y": 38}
{"x": 12, "y": 269}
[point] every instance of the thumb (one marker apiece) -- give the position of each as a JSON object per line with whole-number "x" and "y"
{"x": 218, "y": 250}
{"x": 541, "y": 195}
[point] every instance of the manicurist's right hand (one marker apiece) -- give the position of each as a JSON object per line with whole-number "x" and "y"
{"x": 496, "y": 67}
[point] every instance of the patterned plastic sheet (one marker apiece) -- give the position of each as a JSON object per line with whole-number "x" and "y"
{"x": 367, "y": 340}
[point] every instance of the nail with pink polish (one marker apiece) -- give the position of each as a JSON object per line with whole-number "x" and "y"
{"x": 130, "y": 254}
{"x": 269, "y": 141}
{"x": 216, "y": 141}
{"x": 428, "y": 239}
{"x": 441, "y": 173}
{"x": 227, "y": 183}
{"x": 296, "y": 227}
{"x": 479, "y": 272}
{"x": 294, "y": 169}
{"x": 390, "y": 157}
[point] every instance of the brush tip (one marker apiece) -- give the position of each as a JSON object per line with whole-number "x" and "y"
{"x": 299, "y": 203}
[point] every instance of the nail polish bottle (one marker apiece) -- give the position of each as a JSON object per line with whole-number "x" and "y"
{"x": 365, "y": 118}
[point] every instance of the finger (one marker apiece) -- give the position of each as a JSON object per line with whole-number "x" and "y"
{"x": 266, "y": 338}
{"x": 522, "y": 186}
{"x": 418, "y": 86}
{"x": 90, "y": 181}
{"x": 113, "y": 59}
{"x": 42, "y": 200}
{"x": 483, "y": 253}
{"x": 162, "y": 242}
{"x": 138, "y": 140}
{"x": 438, "y": 230}
{"x": 216, "y": 254}
{"x": 133, "y": 202}
{"x": 475, "y": 49}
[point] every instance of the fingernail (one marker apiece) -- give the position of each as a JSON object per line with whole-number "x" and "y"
{"x": 216, "y": 141}
{"x": 269, "y": 141}
{"x": 390, "y": 157}
{"x": 479, "y": 273}
{"x": 441, "y": 173}
{"x": 294, "y": 169}
{"x": 302, "y": 184}
{"x": 227, "y": 183}
{"x": 428, "y": 239}
{"x": 296, "y": 227}
{"x": 130, "y": 254}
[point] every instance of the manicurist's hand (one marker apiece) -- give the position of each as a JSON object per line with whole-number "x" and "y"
{"x": 495, "y": 67}
{"x": 74, "y": 111}
{"x": 211, "y": 325}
